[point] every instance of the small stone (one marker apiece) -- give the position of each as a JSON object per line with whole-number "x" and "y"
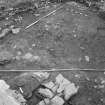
{"x": 87, "y": 58}
{"x": 4, "y": 32}
{"x": 27, "y": 56}
{"x": 41, "y": 75}
{"x": 19, "y": 53}
{"x": 75, "y": 35}
{"x": 57, "y": 101}
{"x": 33, "y": 45}
{"x": 15, "y": 30}
{"x": 77, "y": 76}
{"x": 46, "y": 92}
{"x": 36, "y": 58}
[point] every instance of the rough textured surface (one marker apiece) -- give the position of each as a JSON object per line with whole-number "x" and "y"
{"x": 91, "y": 86}
{"x": 71, "y": 37}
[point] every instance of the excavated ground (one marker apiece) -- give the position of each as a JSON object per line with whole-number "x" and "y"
{"x": 91, "y": 86}
{"x": 71, "y": 37}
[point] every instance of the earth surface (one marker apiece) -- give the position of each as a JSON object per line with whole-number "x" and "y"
{"x": 91, "y": 85}
{"x": 65, "y": 36}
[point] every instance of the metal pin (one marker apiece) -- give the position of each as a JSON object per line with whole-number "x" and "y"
{"x": 20, "y": 89}
{"x": 43, "y": 17}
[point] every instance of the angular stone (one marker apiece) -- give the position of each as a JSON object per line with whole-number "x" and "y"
{"x": 57, "y": 101}
{"x": 46, "y": 92}
{"x": 49, "y": 85}
{"x": 41, "y": 103}
{"x": 62, "y": 82}
{"x": 70, "y": 90}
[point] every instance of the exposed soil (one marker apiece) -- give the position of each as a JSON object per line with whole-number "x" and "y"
{"x": 91, "y": 86}
{"x": 71, "y": 37}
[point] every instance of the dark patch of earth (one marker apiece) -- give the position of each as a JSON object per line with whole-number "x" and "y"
{"x": 72, "y": 37}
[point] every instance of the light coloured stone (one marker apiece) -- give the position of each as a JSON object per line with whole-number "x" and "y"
{"x": 49, "y": 85}
{"x": 5, "y": 97}
{"x": 54, "y": 89}
{"x": 47, "y": 101}
{"x": 15, "y": 30}
{"x": 16, "y": 95}
{"x": 41, "y": 75}
{"x": 3, "y": 85}
{"x": 41, "y": 103}
{"x": 57, "y": 101}
{"x": 70, "y": 90}
{"x": 27, "y": 56}
{"x": 87, "y": 58}
{"x": 62, "y": 82}
{"x": 46, "y": 92}
{"x": 4, "y": 32}
{"x": 59, "y": 79}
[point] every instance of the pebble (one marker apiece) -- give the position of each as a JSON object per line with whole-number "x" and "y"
{"x": 28, "y": 56}
{"x": 77, "y": 75}
{"x": 33, "y": 45}
{"x": 16, "y": 30}
{"x": 87, "y": 58}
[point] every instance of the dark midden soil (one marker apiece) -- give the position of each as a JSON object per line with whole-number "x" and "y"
{"x": 91, "y": 86}
{"x": 71, "y": 37}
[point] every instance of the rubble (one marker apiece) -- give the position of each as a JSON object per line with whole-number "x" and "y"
{"x": 55, "y": 90}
